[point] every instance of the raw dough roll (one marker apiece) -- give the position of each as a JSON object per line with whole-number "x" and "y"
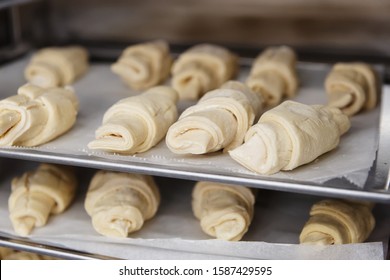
{"x": 218, "y": 121}
{"x": 57, "y": 66}
{"x": 135, "y": 124}
{"x": 22, "y": 255}
{"x": 224, "y": 211}
{"x": 273, "y": 74}
{"x": 35, "y": 195}
{"x": 144, "y": 65}
{"x": 36, "y": 115}
{"x": 202, "y": 68}
{"x": 4, "y": 252}
{"x": 352, "y": 87}
{"x": 290, "y": 135}
{"x": 119, "y": 203}
{"x": 338, "y": 222}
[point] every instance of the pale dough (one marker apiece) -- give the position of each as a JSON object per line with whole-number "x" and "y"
{"x": 4, "y": 251}
{"x": 218, "y": 121}
{"x": 202, "y": 68}
{"x": 135, "y": 124}
{"x": 144, "y": 65}
{"x": 290, "y": 135}
{"x": 338, "y": 222}
{"x": 224, "y": 211}
{"x": 57, "y": 66}
{"x": 37, "y": 194}
{"x": 273, "y": 74}
{"x": 21, "y": 255}
{"x": 352, "y": 87}
{"x": 120, "y": 203}
{"x": 36, "y": 115}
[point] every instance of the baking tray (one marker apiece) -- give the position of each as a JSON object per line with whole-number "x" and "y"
{"x": 357, "y": 169}
{"x": 175, "y": 233}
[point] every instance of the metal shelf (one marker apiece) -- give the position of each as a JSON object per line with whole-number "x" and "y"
{"x": 100, "y": 89}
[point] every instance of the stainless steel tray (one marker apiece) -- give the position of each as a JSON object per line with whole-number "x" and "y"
{"x": 174, "y": 232}
{"x": 99, "y": 89}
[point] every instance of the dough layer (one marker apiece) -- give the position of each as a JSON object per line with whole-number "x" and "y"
{"x": 218, "y": 121}
{"x": 273, "y": 74}
{"x": 37, "y": 194}
{"x": 290, "y": 135}
{"x": 36, "y": 115}
{"x": 136, "y": 124}
{"x": 224, "y": 211}
{"x": 338, "y": 222}
{"x": 352, "y": 87}
{"x": 120, "y": 203}
{"x": 202, "y": 68}
{"x": 57, "y": 66}
{"x": 144, "y": 65}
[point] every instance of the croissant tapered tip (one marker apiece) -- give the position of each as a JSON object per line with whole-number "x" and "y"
{"x": 121, "y": 227}
{"x": 230, "y": 230}
{"x": 8, "y": 119}
{"x": 195, "y": 141}
{"x": 24, "y": 226}
{"x": 317, "y": 238}
{"x": 252, "y": 155}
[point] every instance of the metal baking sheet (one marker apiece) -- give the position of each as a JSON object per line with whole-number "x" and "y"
{"x": 175, "y": 233}
{"x": 343, "y": 172}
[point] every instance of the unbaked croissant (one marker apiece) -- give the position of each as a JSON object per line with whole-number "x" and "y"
{"x": 144, "y": 65}
{"x": 352, "y": 87}
{"x": 290, "y": 135}
{"x": 37, "y": 194}
{"x": 36, "y": 115}
{"x": 4, "y": 252}
{"x": 218, "y": 121}
{"x": 224, "y": 211}
{"x": 273, "y": 74}
{"x": 338, "y": 222}
{"x": 57, "y": 66}
{"x": 120, "y": 203}
{"x": 137, "y": 123}
{"x": 23, "y": 255}
{"x": 202, "y": 68}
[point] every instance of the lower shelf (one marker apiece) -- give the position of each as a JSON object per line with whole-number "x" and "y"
{"x": 174, "y": 233}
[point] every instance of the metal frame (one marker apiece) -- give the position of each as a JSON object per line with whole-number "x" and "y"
{"x": 48, "y": 250}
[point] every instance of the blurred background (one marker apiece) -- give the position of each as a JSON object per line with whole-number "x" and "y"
{"x": 317, "y": 29}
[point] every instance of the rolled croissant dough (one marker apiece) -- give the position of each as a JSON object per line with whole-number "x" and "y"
{"x": 37, "y": 115}
{"x": 120, "y": 203}
{"x": 136, "y": 124}
{"x": 218, "y": 121}
{"x": 273, "y": 74}
{"x": 144, "y": 65}
{"x": 202, "y": 68}
{"x": 290, "y": 135}
{"x": 338, "y": 222}
{"x": 224, "y": 211}
{"x": 57, "y": 66}
{"x": 35, "y": 195}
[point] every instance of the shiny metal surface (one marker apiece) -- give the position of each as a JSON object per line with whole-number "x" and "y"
{"x": 48, "y": 250}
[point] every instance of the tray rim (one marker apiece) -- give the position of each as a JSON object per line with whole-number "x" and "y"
{"x": 373, "y": 194}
